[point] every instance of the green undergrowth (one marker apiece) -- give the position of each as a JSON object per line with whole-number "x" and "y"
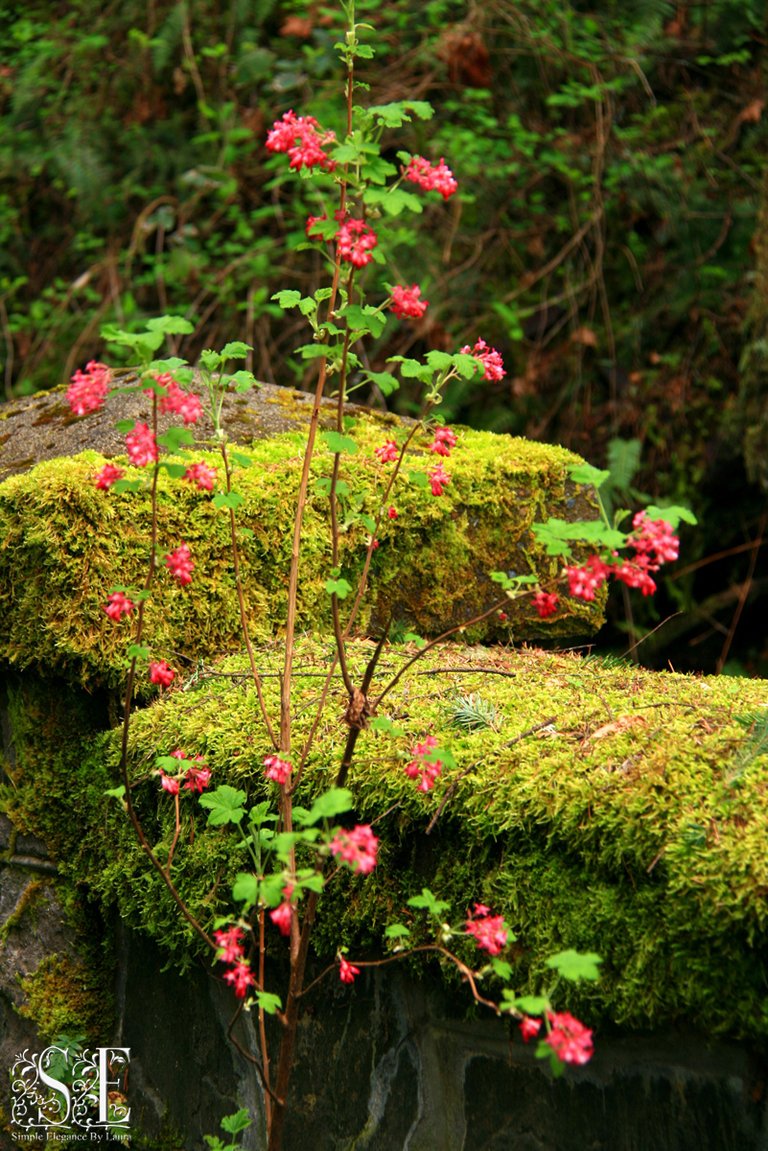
{"x": 608, "y": 809}
{"x": 64, "y": 545}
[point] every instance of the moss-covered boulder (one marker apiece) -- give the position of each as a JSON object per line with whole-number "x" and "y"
{"x": 64, "y": 545}
{"x": 596, "y": 805}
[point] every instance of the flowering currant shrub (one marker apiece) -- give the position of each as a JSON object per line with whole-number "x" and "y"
{"x": 291, "y": 853}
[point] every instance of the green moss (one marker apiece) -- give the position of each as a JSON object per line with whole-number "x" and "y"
{"x": 64, "y": 996}
{"x": 633, "y": 823}
{"x": 65, "y": 545}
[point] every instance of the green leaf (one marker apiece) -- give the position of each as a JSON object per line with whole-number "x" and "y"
{"x": 501, "y": 968}
{"x": 262, "y": 813}
{"x": 330, "y": 804}
{"x": 235, "y": 350}
{"x": 384, "y": 381}
{"x": 575, "y": 965}
{"x": 586, "y": 474}
{"x": 396, "y": 931}
{"x": 170, "y": 325}
{"x": 116, "y": 792}
{"x": 225, "y": 805}
{"x": 427, "y": 902}
{"x": 314, "y": 882}
{"x": 240, "y": 1121}
{"x": 439, "y": 361}
{"x": 673, "y": 514}
{"x": 383, "y": 723}
{"x": 528, "y": 1004}
{"x": 127, "y": 486}
{"x": 393, "y": 201}
{"x": 138, "y": 651}
{"x": 175, "y": 471}
{"x": 288, "y": 298}
{"x": 176, "y": 438}
{"x": 240, "y": 459}
{"x": 419, "y": 480}
{"x": 245, "y": 889}
{"x": 125, "y": 426}
{"x": 268, "y": 1002}
{"x": 228, "y": 500}
{"x": 338, "y": 587}
{"x": 335, "y": 442}
{"x": 364, "y": 319}
{"x": 244, "y": 381}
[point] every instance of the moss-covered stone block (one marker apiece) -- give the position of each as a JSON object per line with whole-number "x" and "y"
{"x": 64, "y": 545}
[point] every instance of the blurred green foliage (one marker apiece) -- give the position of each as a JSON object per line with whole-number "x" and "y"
{"x": 609, "y": 156}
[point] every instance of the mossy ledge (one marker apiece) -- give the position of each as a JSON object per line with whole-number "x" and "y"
{"x": 614, "y": 810}
{"x": 64, "y": 545}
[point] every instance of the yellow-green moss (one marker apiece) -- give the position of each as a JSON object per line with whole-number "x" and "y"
{"x": 64, "y": 545}
{"x": 634, "y": 823}
{"x": 65, "y": 997}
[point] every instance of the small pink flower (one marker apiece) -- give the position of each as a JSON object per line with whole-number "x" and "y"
{"x": 347, "y": 971}
{"x": 570, "y": 1040}
{"x": 423, "y": 766}
{"x": 303, "y": 140}
{"x": 312, "y": 221}
{"x": 356, "y": 242}
{"x": 545, "y": 603}
{"x": 388, "y": 452}
{"x": 488, "y": 358}
{"x": 635, "y": 576}
{"x": 240, "y": 978}
{"x": 281, "y": 917}
{"x": 406, "y": 302}
{"x": 277, "y": 769}
{"x": 87, "y": 390}
{"x": 230, "y": 944}
{"x": 437, "y": 178}
{"x": 119, "y": 605}
{"x": 202, "y": 475}
{"x": 141, "y": 446}
{"x": 108, "y": 475}
{"x": 161, "y": 673}
{"x": 529, "y": 1027}
{"x": 357, "y": 847}
{"x": 169, "y": 783}
{"x": 444, "y": 442}
{"x": 487, "y": 930}
{"x": 180, "y": 565}
{"x": 438, "y": 478}
{"x": 392, "y": 513}
{"x": 654, "y": 541}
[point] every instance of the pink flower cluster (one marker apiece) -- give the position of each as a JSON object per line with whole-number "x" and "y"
{"x": 444, "y": 442}
{"x": 202, "y": 475}
{"x": 489, "y": 359}
{"x": 160, "y": 673}
{"x": 423, "y": 766}
{"x": 653, "y": 542}
{"x": 196, "y": 777}
{"x": 231, "y": 951}
{"x": 438, "y": 478}
{"x": 282, "y": 916}
{"x": 432, "y": 178}
{"x": 119, "y": 605}
{"x": 107, "y": 476}
{"x": 277, "y": 769}
{"x": 357, "y": 848}
{"x": 488, "y": 931}
{"x": 141, "y": 445}
{"x": 356, "y": 241}
{"x": 174, "y": 399}
{"x": 87, "y": 390}
{"x": 180, "y": 564}
{"x": 303, "y": 140}
{"x": 570, "y": 1040}
{"x": 388, "y": 452}
{"x": 407, "y": 302}
{"x": 347, "y": 971}
{"x": 545, "y": 603}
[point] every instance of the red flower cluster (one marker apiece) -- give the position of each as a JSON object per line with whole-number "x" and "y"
{"x": 303, "y": 140}
{"x": 653, "y": 542}
{"x": 357, "y": 847}
{"x": 406, "y": 302}
{"x": 529, "y": 1027}
{"x": 488, "y": 358}
{"x": 202, "y": 475}
{"x": 422, "y": 766}
{"x": 277, "y": 769}
{"x": 570, "y": 1040}
{"x": 231, "y": 951}
{"x": 281, "y": 917}
{"x": 487, "y": 930}
{"x": 174, "y": 399}
{"x": 545, "y": 603}
{"x": 195, "y": 778}
{"x": 87, "y": 390}
{"x": 437, "y": 178}
{"x": 388, "y": 452}
{"x": 161, "y": 673}
{"x": 438, "y": 478}
{"x": 180, "y": 564}
{"x": 107, "y": 476}
{"x": 347, "y": 971}
{"x": 444, "y": 442}
{"x": 141, "y": 445}
{"x": 356, "y": 242}
{"x": 119, "y": 605}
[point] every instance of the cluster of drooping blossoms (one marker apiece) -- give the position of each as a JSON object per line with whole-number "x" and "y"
{"x": 195, "y": 776}
{"x": 431, "y": 177}
{"x": 653, "y": 543}
{"x": 232, "y": 952}
{"x": 488, "y": 931}
{"x": 570, "y": 1040}
{"x": 88, "y": 390}
{"x": 302, "y": 138}
{"x": 424, "y": 767}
